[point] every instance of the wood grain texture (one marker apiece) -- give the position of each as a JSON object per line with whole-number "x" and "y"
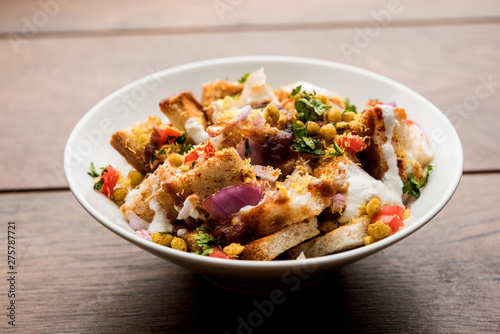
{"x": 58, "y": 16}
{"x": 74, "y": 276}
{"x": 53, "y": 82}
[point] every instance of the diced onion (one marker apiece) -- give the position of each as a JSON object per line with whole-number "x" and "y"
{"x": 339, "y": 200}
{"x": 144, "y": 234}
{"x": 242, "y": 114}
{"x": 231, "y": 199}
{"x": 136, "y": 222}
{"x": 254, "y": 152}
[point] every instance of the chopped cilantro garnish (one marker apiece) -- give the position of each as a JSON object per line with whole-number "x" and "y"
{"x": 295, "y": 91}
{"x": 349, "y": 106}
{"x": 98, "y": 185}
{"x": 92, "y": 172}
{"x": 338, "y": 151}
{"x": 248, "y": 151}
{"x": 181, "y": 139}
{"x": 206, "y": 243}
{"x": 244, "y": 78}
{"x": 186, "y": 149}
{"x": 413, "y": 186}
{"x": 162, "y": 151}
{"x": 302, "y": 143}
{"x": 310, "y": 109}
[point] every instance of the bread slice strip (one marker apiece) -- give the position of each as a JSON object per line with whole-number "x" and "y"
{"x": 136, "y": 199}
{"x": 269, "y": 247}
{"x": 373, "y": 158}
{"x": 132, "y": 141}
{"x": 181, "y": 107}
{"x": 224, "y": 169}
{"x": 218, "y": 90}
{"x": 343, "y": 238}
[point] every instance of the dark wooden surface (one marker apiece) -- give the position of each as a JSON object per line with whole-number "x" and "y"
{"x": 74, "y": 276}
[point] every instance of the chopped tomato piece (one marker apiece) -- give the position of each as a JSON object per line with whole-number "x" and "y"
{"x": 169, "y": 132}
{"x": 208, "y": 150}
{"x": 192, "y": 156}
{"x": 109, "y": 177}
{"x": 394, "y": 222}
{"x": 353, "y": 143}
{"x": 393, "y": 210}
{"x": 220, "y": 254}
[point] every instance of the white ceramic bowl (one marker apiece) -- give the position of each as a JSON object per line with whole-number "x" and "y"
{"x": 89, "y": 141}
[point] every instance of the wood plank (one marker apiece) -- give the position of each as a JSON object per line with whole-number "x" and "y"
{"x": 75, "y": 276}
{"x": 51, "y": 83}
{"x": 79, "y": 15}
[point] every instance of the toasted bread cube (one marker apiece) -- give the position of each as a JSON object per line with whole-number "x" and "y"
{"x": 342, "y": 238}
{"x": 136, "y": 200}
{"x": 374, "y": 160}
{"x": 305, "y": 199}
{"x": 224, "y": 169}
{"x": 181, "y": 107}
{"x": 218, "y": 90}
{"x": 131, "y": 142}
{"x": 269, "y": 247}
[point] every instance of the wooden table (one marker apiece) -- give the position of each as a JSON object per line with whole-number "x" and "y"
{"x": 60, "y": 57}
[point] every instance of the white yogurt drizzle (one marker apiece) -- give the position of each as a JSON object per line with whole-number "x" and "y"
{"x": 363, "y": 187}
{"x": 308, "y": 87}
{"x": 160, "y": 221}
{"x": 195, "y": 130}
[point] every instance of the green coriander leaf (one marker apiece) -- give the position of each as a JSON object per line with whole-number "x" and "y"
{"x": 309, "y": 109}
{"x": 98, "y": 185}
{"x": 248, "y": 151}
{"x": 338, "y": 150}
{"x": 310, "y": 142}
{"x": 424, "y": 179}
{"x": 302, "y": 143}
{"x": 181, "y": 139}
{"x": 187, "y": 148}
{"x": 162, "y": 151}
{"x": 413, "y": 187}
{"x": 206, "y": 243}
{"x": 349, "y": 106}
{"x": 244, "y": 78}
{"x": 92, "y": 172}
{"x": 299, "y": 130}
{"x": 295, "y": 91}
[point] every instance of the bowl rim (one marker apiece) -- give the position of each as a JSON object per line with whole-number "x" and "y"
{"x": 347, "y": 255}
